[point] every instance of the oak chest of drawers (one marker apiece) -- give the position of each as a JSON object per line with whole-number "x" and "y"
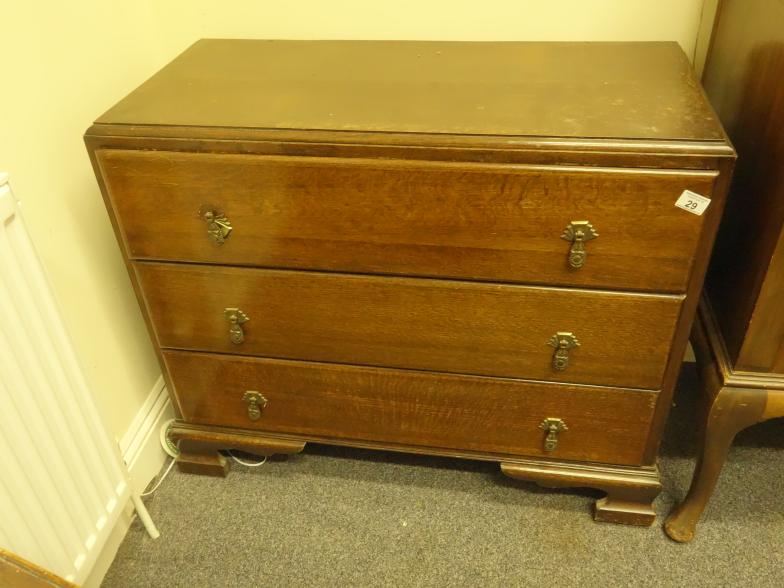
{"x": 464, "y": 249}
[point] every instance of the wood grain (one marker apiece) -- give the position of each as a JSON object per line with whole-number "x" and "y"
{"x": 17, "y": 572}
{"x": 630, "y": 492}
{"x": 488, "y": 222}
{"x": 461, "y": 327}
{"x": 745, "y": 80}
{"x": 408, "y": 407}
{"x": 738, "y": 337}
{"x": 628, "y": 90}
{"x": 631, "y": 153}
{"x": 689, "y": 307}
{"x": 763, "y": 345}
{"x": 728, "y": 404}
{"x": 609, "y": 129}
{"x": 199, "y": 450}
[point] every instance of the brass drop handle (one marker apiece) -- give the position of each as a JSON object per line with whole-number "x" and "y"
{"x": 218, "y": 226}
{"x": 563, "y": 342}
{"x": 552, "y": 426}
{"x": 578, "y": 232}
{"x": 256, "y": 403}
{"x": 236, "y": 319}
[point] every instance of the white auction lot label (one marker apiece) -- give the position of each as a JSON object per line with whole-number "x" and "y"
{"x": 692, "y": 202}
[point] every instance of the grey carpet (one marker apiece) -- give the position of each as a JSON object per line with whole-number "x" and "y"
{"x": 344, "y": 517}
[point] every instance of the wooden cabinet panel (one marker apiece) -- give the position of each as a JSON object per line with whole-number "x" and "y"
{"x": 484, "y": 222}
{"x": 460, "y": 327}
{"x": 395, "y": 240}
{"x": 745, "y": 81}
{"x": 409, "y": 407}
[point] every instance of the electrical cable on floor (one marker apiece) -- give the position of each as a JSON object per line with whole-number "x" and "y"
{"x": 160, "y": 481}
{"x": 171, "y": 449}
{"x": 246, "y": 463}
{"x": 168, "y": 445}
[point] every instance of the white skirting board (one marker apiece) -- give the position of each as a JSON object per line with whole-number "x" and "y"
{"x": 140, "y": 446}
{"x": 141, "y": 450}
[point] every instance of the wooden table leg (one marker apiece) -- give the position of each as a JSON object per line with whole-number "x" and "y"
{"x": 200, "y": 447}
{"x": 630, "y": 490}
{"x": 207, "y": 462}
{"x": 731, "y": 410}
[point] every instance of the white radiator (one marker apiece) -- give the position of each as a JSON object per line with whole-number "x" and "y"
{"x": 62, "y": 482}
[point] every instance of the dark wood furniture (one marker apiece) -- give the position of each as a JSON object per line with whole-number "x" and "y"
{"x": 739, "y": 339}
{"x": 463, "y": 249}
{"x": 16, "y": 572}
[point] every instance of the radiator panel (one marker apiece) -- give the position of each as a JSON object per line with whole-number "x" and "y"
{"x": 63, "y": 485}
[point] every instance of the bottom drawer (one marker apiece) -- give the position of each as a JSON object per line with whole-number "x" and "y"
{"x": 423, "y": 409}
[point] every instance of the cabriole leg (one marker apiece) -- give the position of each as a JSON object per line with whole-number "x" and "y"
{"x": 732, "y": 410}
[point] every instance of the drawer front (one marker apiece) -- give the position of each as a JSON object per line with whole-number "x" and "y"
{"x": 415, "y": 408}
{"x": 459, "y": 220}
{"x": 440, "y": 325}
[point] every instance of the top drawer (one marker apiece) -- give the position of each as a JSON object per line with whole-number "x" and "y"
{"x": 440, "y": 219}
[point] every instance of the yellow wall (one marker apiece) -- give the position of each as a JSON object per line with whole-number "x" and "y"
{"x": 64, "y": 63}
{"x": 616, "y": 20}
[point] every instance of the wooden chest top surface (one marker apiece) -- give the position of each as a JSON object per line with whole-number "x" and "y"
{"x": 637, "y": 91}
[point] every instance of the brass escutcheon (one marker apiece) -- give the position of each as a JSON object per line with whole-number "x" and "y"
{"x": 552, "y": 426}
{"x": 236, "y": 318}
{"x": 578, "y": 232}
{"x": 218, "y": 226}
{"x": 256, "y": 403}
{"x": 562, "y": 341}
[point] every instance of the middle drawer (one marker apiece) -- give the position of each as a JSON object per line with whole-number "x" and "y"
{"x": 615, "y": 339}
